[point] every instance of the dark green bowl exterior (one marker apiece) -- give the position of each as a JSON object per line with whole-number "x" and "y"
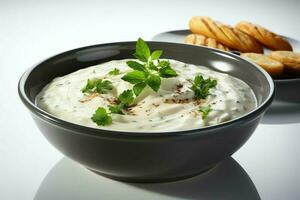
{"x": 146, "y": 157}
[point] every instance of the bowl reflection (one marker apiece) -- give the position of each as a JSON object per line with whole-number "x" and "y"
{"x": 282, "y": 113}
{"x": 68, "y": 180}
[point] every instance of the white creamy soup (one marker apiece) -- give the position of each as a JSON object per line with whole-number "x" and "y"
{"x": 172, "y": 108}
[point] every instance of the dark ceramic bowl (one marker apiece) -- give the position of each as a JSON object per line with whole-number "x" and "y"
{"x": 146, "y": 157}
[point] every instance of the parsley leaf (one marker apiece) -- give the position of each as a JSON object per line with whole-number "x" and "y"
{"x": 117, "y": 109}
{"x": 97, "y": 85}
{"x": 126, "y": 97}
{"x": 135, "y": 77}
{"x": 114, "y": 72}
{"x": 205, "y": 111}
{"x": 89, "y": 87}
{"x": 123, "y": 101}
{"x": 104, "y": 86}
{"x": 101, "y": 117}
{"x": 202, "y": 86}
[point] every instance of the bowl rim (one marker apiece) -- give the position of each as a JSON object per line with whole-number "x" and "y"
{"x": 98, "y": 132}
{"x": 287, "y": 80}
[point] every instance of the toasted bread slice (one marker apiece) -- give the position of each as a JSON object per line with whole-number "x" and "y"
{"x": 273, "y": 67}
{"x": 264, "y": 36}
{"x": 201, "y": 40}
{"x": 291, "y": 60}
{"x": 231, "y": 37}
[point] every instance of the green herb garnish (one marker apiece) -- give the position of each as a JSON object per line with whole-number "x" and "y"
{"x": 123, "y": 101}
{"x": 202, "y": 86}
{"x": 149, "y": 70}
{"x": 97, "y": 85}
{"x": 114, "y": 72}
{"x": 205, "y": 111}
{"x": 101, "y": 117}
{"x": 165, "y": 69}
{"x": 135, "y": 77}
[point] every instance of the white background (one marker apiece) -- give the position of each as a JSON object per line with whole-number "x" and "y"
{"x": 31, "y": 31}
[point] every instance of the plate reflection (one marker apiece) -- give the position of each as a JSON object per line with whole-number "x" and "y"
{"x": 282, "y": 113}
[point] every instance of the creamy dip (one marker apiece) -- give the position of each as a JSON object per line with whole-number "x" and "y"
{"x": 172, "y": 108}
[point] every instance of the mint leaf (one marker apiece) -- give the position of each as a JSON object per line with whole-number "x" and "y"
{"x": 154, "y": 82}
{"x": 142, "y": 51}
{"x": 97, "y": 85}
{"x": 205, "y": 111}
{"x": 152, "y": 66}
{"x": 139, "y": 57}
{"x": 101, "y": 117}
{"x": 167, "y": 72}
{"x": 114, "y": 72}
{"x": 138, "y": 88}
{"x": 135, "y": 65}
{"x": 149, "y": 71}
{"x": 134, "y": 77}
{"x": 164, "y": 63}
{"x": 126, "y": 98}
{"x": 202, "y": 86}
{"x": 156, "y": 54}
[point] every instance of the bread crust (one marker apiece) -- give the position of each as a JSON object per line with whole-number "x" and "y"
{"x": 272, "y": 66}
{"x": 264, "y": 36}
{"x": 201, "y": 40}
{"x": 230, "y": 37}
{"x": 291, "y": 60}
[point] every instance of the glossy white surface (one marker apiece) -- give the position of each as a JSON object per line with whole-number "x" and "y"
{"x": 32, "y": 30}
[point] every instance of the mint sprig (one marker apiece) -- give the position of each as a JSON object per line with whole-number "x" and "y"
{"x": 149, "y": 70}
